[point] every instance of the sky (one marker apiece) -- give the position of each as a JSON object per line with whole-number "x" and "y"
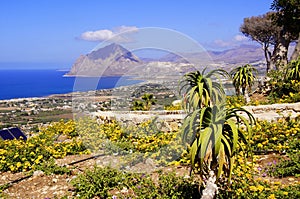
{"x": 54, "y": 33}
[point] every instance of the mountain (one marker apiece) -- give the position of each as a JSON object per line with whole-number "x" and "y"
{"x": 111, "y": 60}
{"x": 238, "y": 55}
{"x": 115, "y": 60}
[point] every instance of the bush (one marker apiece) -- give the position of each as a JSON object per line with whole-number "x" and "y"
{"x": 107, "y": 182}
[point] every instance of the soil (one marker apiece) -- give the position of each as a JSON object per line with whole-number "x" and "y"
{"x": 56, "y": 186}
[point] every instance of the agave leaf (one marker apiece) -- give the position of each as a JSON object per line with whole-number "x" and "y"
{"x": 234, "y": 134}
{"x": 222, "y": 160}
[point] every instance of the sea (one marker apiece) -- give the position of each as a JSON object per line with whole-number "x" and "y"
{"x": 42, "y": 83}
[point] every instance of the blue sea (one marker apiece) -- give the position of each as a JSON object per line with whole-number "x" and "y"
{"x": 41, "y": 83}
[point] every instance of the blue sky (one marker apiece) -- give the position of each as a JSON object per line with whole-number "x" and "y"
{"x": 53, "y": 31}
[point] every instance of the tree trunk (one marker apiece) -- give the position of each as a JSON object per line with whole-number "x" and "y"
{"x": 246, "y": 96}
{"x": 296, "y": 52}
{"x": 268, "y": 56}
{"x": 279, "y": 57}
{"x": 211, "y": 189}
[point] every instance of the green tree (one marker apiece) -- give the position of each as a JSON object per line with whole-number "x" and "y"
{"x": 243, "y": 79}
{"x": 288, "y": 16}
{"x": 263, "y": 30}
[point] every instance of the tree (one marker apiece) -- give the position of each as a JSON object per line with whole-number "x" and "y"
{"x": 243, "y": 80}
{"x": 210, "y": 128}
{"x": 288, "y": 16}
{"x": 262, "y": 30}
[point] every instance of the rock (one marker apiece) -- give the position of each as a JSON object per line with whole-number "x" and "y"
{"x": 174, "y": 126}
{"x": 38, "y": 173}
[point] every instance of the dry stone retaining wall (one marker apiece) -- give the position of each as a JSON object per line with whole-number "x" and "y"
{"x": 172, "y": 120}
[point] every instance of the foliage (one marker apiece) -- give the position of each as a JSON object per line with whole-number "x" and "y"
{"x": 243, "y": 78}
{"x": 144, "y": 104}
{"x": 286, "y": 85}
{"x": 288, "y": 16}
{"x": 144, "y": 139}
{"x": 293, "y": 70}
{"x": 215, "y": 138}
{"x": 173, "y": 107}
{"x": 209, "y": 127}
{"x": 286, "y": 167}
{"x": 200, "y": 91}
{"x": 18, "y": 155}
{"x": 50, "y": 167}
{"x": 262, "y": 30}
{"x": 288, "y": 12}
{"x": 282, "y": 136}
{"x": 95, "y": 183}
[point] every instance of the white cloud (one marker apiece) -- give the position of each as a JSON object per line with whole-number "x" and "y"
{"x": 240, "y": 38}
{"x": 120, "y": 34}
{"x": 122, "y": 29}
{"x": 237, "y": 40}
{"x": 221, "y": 43}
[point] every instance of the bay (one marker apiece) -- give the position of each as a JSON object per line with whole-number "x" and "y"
{"x": 41, "y": 83}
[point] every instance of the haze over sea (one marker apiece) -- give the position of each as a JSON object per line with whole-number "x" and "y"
{"x": 41, "y": 83}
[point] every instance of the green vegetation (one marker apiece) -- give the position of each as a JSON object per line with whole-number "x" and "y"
{"x": 95, "y": 183}
{"x": 144, "y": 104}
{"x": 18, "y": 155}
{"x": 286, "y": 84}
{"x": 246, "y": 180}
{"x": 243, "y": 79}
{"x": 211, "y": 129}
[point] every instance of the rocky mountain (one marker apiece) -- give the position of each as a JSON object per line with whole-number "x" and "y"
{"x": 239, "y": 55}
{"x": 112, "y": 60}
{"x": 115, "y": 60}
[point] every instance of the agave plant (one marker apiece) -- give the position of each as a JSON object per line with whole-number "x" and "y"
{"x": 148, "y": 100}
{"x": 210, "y": 128}
{"x": 214, "y": 134}
{"x": 293, "y": 70}
{"x": 200, "y": 91}
{"x": 243, "y": 79}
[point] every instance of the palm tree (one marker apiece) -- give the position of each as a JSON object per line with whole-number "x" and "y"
{"x": 243, "y": 80}
{"x": 200, "y": 91}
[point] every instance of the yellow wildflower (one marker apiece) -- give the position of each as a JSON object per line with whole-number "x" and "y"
{"x": 272, "y": 196}
{"x": 253, "y": 188}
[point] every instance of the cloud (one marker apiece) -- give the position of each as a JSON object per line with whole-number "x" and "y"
{"x": 240, "y": 38}
{"x": 221, "y": 43}
{"x": 119, "y": 34}
{"x": 235, "y": 41}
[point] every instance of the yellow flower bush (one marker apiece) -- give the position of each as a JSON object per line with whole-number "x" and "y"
{"x": 18, "y": 155}
{"x": 280, "y": 136}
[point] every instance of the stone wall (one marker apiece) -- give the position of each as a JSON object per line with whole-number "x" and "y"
{"x": 273, "y": 112}
{"x": 172, "y": 120}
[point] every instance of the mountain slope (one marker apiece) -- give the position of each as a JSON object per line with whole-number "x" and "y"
{"x": 112, "y": 60}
